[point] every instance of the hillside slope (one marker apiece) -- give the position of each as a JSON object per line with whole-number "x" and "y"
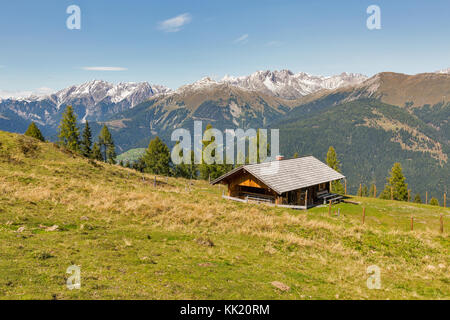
{"x": 134, "y": 240}
{"x": 370, "y": 137}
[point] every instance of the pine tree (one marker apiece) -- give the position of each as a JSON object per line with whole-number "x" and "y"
{"x": 372, "y": 191}
{"x": 396, "y": 183}
{"x": 205, "y": 169}
{"x": 434, "y": 202}
{"x": 69, "y": 135}
{"x": 157, "y": 157}
{"x": 33, "y": 131}
{"x": 365, "y": 192}
{"x": 86, "y": 141}
{"x": 106, "y": 144}
{"x": 417, "y": 198}
{"x": 186, "y": 170}
{"x": 96, "y": 153}
{"x": 333, "y": 163}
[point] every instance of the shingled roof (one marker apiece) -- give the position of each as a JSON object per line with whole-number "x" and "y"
{"x": 287, "y": 175}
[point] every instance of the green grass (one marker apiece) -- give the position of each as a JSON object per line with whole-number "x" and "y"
{"x": 132, "y": 240}
{"x": 131, "y": 155}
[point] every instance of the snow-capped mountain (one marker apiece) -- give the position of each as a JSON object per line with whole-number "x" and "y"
{"x": 285, "y": 84}
{"x": 96, "y": 91}
{"x": 94, "y": 100}
{"x": 444, "y": 71}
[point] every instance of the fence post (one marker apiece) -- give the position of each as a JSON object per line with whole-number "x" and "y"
{"x": 374, "y": 190}
{"x": 409, "y": 195}
{"x": 306, "y": 199}
{"x": 345, "y": 183}
{"x": 154, "y": 182}
{"x": 364, "y": 215}
{"x": 412, "y": 223}
{"x": 329, "y": 208}
{"x": 442, "y": 223}
{"x": 426, "y": 197}
{"x": 445, "y": 199}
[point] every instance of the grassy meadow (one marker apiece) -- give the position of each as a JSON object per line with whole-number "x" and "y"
{"x": 133, "y": 240}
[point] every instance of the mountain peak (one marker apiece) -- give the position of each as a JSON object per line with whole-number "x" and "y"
{"x": 288, "y": 85}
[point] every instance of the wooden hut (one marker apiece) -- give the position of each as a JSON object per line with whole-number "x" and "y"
{"x": 300, "y": 182}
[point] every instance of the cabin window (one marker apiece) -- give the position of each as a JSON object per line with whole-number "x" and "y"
{"x": 322, "y": 186}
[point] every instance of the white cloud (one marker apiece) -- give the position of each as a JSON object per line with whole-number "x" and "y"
{"x": 242, "y": 39}
{"x": 175, "y": 24}
{"x": 104, "y": 68}
{"x": 274, "y": 44}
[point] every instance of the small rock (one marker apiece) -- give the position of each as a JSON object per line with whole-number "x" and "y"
{"x": 52, "y": 228}
{"x": 21, "y": 229}
{"x": 207, "y": 264}
{"x": 84, "y": 218}
{"x": 127, "y": 243}
{"x": 280, "y": 285}
{"x": 205, "y": 242}
{"x": 441, "y": 266}
{"x": 431, "y": 267}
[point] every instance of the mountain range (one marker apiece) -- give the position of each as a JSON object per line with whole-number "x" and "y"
{"x": 372, "y": 122}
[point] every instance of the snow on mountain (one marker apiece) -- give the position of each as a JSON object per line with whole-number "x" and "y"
{"x": 93, "y": 100}
{"x": 93, "y": 92}
{"x": 286, "y": 84}
{"x": 444, "y": 71}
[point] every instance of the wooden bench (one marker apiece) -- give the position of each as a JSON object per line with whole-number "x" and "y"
{"x": 327, "y": 197}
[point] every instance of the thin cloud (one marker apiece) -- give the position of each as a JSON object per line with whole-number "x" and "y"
{"x": 242, "y": 39}
{"x": 274, "y": 44}
{"x": 176, "y": 23}
{"x": 104, "y": 68}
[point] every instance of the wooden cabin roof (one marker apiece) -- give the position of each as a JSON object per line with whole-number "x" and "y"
{"x": 287, "y": 175}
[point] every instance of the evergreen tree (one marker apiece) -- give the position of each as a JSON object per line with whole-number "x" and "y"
{"x": 186, "y": 170}
{"x": 372, "y": 191}
{"x": 396, "y": 183}
{"x": 106, "y": 144}
{"x": 417, "y": 198}
{"x": 96, "y": 153}
{"x": 434, "y": 202}
{"x": 157, "y": 157}
{"x": 333, "y": 163}
{"x": 86, "y": 141}
{"x": 365, "y": 192}
{"x": 69, "y": 135}
{"x": 215, "y": 170}
{"x": 33, "y": 131}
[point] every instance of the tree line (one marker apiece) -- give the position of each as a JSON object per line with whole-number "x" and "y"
{"x": 157, "y": 160}
{"x": 70, "y": 138}
{"x": 395, "y": 188}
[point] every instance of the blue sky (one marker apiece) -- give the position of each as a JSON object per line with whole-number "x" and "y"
{"x": 214, "y": 38}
